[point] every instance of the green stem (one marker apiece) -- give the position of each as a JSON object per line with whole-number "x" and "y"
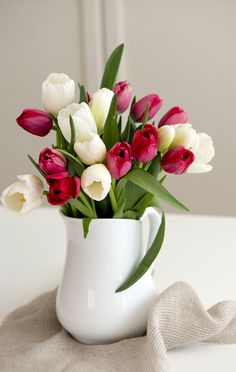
{"x": 84, "y": 199}
{"x": 93, "y": 206}
{"x": 140, "y": 165}
{"x": 112, "y": 196}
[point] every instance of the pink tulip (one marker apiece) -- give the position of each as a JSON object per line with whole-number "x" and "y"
{"x": 62, "y": 188}
{"x": 52, "y": 161}
{"x": 35, "y": 121}
{"x": 177, "y": 160}
{"x": 123, "y": 92}
{"x": 139, "y": 108}
{"x": 175, "y": 115}
{"x": 145, "y": 143}
{"x": 118, "y": 159}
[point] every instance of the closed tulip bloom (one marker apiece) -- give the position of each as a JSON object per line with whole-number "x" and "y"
{"x": 35, "y": 121}
{"x": 118, "y": 159}
{"x": 100, "y": 106}
{"x": 23, "y": 196}
{"x": 145, "y": 143}
{"x": 204, "y": 152}
{"x": 123, "y": 92}
{"x": 90, "y": 148}
{"x": 82, "y": 118}
{"x": 166, "y": 135}
{"x": 52, "y": 161}
{"x": 176, "y": 115}
{"x": 139, "y": 108}
{"x": 58, "y": 91}
{"x": 62, "y": 188}
{"x": 185, "y": 136}
{"x": 177, "y": 160}
{"x": 96, "y": 181}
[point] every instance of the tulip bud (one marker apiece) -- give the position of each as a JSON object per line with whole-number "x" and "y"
{"x": 204, "y": 152}
{"x": 175, "y": 115}
{"x": 90, "y": 148}
{"x": 58, "y": 91}
{"x": 82, "y": 118}
{"x": 118, "y": 159}
{"x": 177, "y": 160}
{"x": 52, "y": 161}
{"x": 139, "y": 108}
{"x": 166, "y": 135}
{"x": 145, "y": 143}
{"x": 23, "y": 196}
{"x": 123, "y": 92}
{"x": 185, "y": 136}
{"x": 35, "y": 121}
{"x": 100, "y": 106}
{"x": 62, "y": 188}
{"x": 96, "y": 181}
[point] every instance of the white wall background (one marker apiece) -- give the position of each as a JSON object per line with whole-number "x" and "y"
{"x": 184, "y": 50}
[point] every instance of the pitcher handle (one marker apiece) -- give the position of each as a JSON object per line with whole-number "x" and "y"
{"x": 154, "y": 221}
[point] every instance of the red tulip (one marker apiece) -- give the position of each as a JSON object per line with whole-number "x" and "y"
{"x": 139, "y": 108}
{"x": 175, "y": 115}
{"x": 177, "y": 160}
{"x": 123, "y": 92}
{"x": 118, "y": 159}
{"x": 145, "y": 143}
{"x": 35, "y": 121}
{"x": 52, "y": 161}
{"x": 62, "y": 187}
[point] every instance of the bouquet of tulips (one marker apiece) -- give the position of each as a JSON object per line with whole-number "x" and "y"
{"x": 101, "y": 166}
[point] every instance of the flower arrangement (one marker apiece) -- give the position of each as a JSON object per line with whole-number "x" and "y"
{"x": 101, "y": 167}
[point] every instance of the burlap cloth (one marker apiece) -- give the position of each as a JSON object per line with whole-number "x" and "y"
{"x": 31, "y": 339}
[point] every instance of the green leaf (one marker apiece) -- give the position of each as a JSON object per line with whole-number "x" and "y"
{"x": 72, "y": 131}
{"x": 75, "y": 203}
{"x": 36, "y": 166}
{"x": 83, "y": 95}
{"x": 148, "y": 258}
{"x": 154, "y": 168}
{"x": 111, "y": 132}
{"x": 61, "y": 141}
{"x": 142, "y": 204}
{"x": 129, "y": 214}
{"x": 86, "y": 223}
{"x": 72, "y": 157}
{"x": 149, "y": 183}
{"x": 120, "y": 124}
{"x": 112, "y": 67}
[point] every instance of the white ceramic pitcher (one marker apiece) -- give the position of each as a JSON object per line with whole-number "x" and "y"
{"x": 87, "y": 304}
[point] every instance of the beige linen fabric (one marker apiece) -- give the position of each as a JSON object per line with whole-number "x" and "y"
{"x": 32, "y": 340}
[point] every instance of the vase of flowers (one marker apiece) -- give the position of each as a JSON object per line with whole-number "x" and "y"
{"x": 107, "y": 175}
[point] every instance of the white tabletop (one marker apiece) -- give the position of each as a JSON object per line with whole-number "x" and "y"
{"x": 198, "y": 249}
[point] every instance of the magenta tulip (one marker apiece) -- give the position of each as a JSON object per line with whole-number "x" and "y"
{"x": 175, "y": 115}
{"x": 35, "y": 121}
{"x": 52, "y": 161}
{"x": 62, "y": 188}
{"x": 118, "y": 159}
{"x": 177, "y": 160}
{"x": 139, "y": 108}
{"x": 145, "y": 143}
{"x": 123, "y": 92}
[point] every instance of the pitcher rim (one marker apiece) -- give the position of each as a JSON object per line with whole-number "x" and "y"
{"x": 99, "y": 219}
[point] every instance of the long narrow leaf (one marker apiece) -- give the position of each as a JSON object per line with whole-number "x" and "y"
{"x": 36, "y": 166}
{"x": 81, "y": 207}
{"x": 148, "y": 258}
{"x": 83, "y": 95}
{"x": 86, "y": 223}
{"x": 72, "y": 157}
{"x": 111, "y": 131}
{"x": 149, "y": 183}
{"x": 112, "y": 67}
{"x": 72, "y": 131}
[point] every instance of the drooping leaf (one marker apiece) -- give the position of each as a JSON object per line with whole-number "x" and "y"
{"x": 36, "y": 166}
{"x": 86, "y": 223}
{"x": 112, "y": 67}
{"x": 148, "y": 258}
{"x": 150, "y": 184}
{"x": 111, "y": 132}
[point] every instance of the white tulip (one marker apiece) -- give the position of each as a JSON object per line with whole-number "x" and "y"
{"x": 24, "y": 195}
{"x": 82, "y": 118}
{"x": 100, "y": 105}
{"x": 185, "y": 136}
{"x": 166, "y": 135}
{"x": 204, "y": 152}
{"x": 58, "y": 91}
{"x": 90, "y": 148}
{"x": 96, "y": 181}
